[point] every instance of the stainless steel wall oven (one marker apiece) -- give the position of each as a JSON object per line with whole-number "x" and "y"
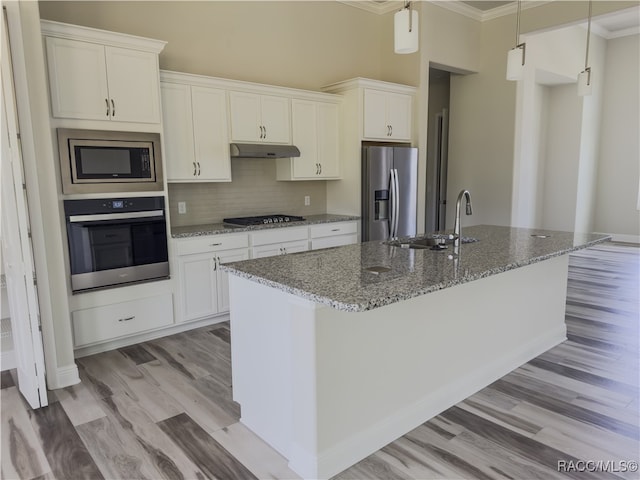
{"x": 116, "y": 241}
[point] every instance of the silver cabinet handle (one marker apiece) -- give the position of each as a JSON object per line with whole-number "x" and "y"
{"x": 265, "y": 131}
{"x": 215, "y": 244}
{"x": 106, "y": 100}
{"x": 335, "y": 229}
{"x": 113, "y": 108}
{"x": 391, "y": 130}
{"x": 198, "y": 168}
{"x": 320, "y": 168}
{"x": 194, "y": 169}
{"x": 126, "y": 319}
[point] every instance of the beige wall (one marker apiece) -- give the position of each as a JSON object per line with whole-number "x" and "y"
{"x": 310, "y": 44}
{"x": 295, "y": 44}
{"x": 618, "y": 202}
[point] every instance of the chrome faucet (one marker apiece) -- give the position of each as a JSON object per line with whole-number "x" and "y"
{"x": 456, "y": 226}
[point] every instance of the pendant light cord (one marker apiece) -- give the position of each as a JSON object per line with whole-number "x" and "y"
{"x": 407, "y": 5}
{"x": 518, "y": 24}
{"x": 586, "y": 57}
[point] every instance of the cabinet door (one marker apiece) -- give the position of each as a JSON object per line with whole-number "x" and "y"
{"x": 245, "y": 117}
{"x": 304, "y": 116}
{"x": 133, "y": 80}
{"x": 375, "y": 114}
{"x": 198, "y": 285}
{"x": 77, "y": 79}
{"x": 399, "y": 115}
{"x": 223, "y": 277}
{"x": 178, "y": 132}
{"x": 295, "y": 246}
{"x": 328, "y": 140}
{"x": 210, "y": 135}
{"x": 275, "y": 117}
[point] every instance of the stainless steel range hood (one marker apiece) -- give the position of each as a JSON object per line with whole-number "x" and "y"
{"x": 253, "y": 150}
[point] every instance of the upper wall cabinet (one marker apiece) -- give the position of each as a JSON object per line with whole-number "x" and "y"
{"x": 98, "y": 75}
{"x": 387, "y": 115}
{"x": 315, "y": 129}
{"x": 382, "y": 110}
{"x": 259, "y": 118}
{"x": 195, "y": 129}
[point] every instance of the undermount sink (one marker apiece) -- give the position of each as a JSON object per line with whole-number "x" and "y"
{"x": 433, "y": 242}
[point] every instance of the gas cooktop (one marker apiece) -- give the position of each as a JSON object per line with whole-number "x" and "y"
{"x": 262, "y": 220}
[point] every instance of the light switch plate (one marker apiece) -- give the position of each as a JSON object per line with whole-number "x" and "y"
{"x": 182, "y": 207}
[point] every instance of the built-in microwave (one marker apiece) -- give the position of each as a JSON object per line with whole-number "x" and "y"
{"x": 97, "y": 161}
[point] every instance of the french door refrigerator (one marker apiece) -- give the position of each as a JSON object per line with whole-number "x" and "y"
{"x": 389, "y": 192}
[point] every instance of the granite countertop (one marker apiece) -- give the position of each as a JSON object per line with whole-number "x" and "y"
{"x": 338, "y": 276}
{"x": 218, "y": 228}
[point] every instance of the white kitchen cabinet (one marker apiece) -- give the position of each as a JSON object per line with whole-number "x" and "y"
{"x": 204, "y": 289}
{"x": 333, "y": 234}
{"x": 104, "y": 323}
{"x": 315, "y": 129}
{"x": 279, "y": 241}
{"x": 387, "y": 115}
{"x": 91, "y": 81}
{"x": 195, "y": 132}
{"x": 259, "y": 118}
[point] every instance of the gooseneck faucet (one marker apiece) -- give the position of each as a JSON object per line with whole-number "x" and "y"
{"x": 456, "y": 226}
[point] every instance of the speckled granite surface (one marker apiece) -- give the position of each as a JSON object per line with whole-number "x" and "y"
{"x": 338, "y": 277}
{"x": 217, "y": 228}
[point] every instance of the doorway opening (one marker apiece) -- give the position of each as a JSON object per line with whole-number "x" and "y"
{"x": 437, "y": 149}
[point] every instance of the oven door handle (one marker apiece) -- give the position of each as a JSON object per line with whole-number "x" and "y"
{"x": 115, "y": 216}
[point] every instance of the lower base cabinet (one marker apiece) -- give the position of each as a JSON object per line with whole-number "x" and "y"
{"x": 203, "y": 287}
{"x": 100, "y": 324}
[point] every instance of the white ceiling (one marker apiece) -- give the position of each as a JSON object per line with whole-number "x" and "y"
{"x": 618, "y": 24}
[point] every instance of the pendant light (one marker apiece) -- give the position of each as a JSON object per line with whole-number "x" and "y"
{"x": 405, "y": 29}
{"x": 584, "y": 77}
{"x": 515, "y": 57}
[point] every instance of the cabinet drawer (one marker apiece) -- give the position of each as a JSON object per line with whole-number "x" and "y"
{"x": 279, "y": 235}
{"x": 337, "y": 241}
{"x": 331, "y": 229}
{"x": 211, "y": 243}
{"x": 100, "y": 324}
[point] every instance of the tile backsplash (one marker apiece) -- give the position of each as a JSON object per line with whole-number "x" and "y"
{"x": 253, "y": 191}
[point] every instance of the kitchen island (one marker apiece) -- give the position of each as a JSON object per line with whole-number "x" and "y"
{"x": 337, "y": 352}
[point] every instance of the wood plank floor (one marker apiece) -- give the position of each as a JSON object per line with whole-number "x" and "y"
{"x": 163, "y": 409}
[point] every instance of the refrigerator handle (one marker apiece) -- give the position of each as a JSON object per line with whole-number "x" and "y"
{"x": 392, "y": 188}
{"x": 396, "y": 216}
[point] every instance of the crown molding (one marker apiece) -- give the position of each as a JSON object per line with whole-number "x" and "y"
{"x": 457, "y": 6}
{"x": 379, "y": 7}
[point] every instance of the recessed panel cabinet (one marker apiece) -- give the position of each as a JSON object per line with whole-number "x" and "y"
{"x": 90, "y": 81}
{"x": 387, "y": 115}
{"x": 204, "y": 288}
{"x": 315, "y": 127}
{"x": 259, "y": 118}
{"x": 195, "y": 133}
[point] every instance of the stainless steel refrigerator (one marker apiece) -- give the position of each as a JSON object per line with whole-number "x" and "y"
{"x": 389, "y": 192}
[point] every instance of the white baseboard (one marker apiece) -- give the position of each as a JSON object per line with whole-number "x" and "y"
{"x": 366, "y": 442}
{"x": 621, "y": 237}
{"x": 63, "y": 377}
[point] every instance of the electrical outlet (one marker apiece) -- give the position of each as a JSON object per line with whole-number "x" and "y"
{"x": 307, "y": 200}
{"x": 182, "y": 207}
